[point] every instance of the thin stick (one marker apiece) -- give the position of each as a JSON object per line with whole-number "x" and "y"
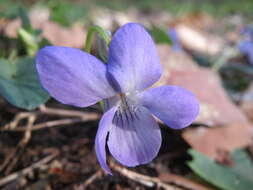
{"x": 182, "y": 181}
{"x": 69, "y": 113}
{"x": 13, "y": 124}
{"x": 144, "y": 180}
{"x": 91, "y": 179}
{"x": 84, "y": 116}
{"x": 27, "y": 170}
{"x": 48, "y": 124}
{"x": 22, "y": 144}
{"x": 11, "y": 156}
{"x": 168, "y": 177}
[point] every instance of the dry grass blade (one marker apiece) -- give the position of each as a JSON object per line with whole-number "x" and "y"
{"x": 182, "y": 181}
{"x": 13, "y": 124}
{"x": 91, "y": 179}
{"x": 69, "y": 113}
{"x": 143, "y": 179}
{"x": 27, "y": 170}
{"x": 76, "y": 117}
{"x": 22, "y": 144}
{"x": 48, "y": 124}
{"x": 14, "y": 155}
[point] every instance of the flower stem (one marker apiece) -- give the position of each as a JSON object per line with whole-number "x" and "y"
{"x": 88, "y": 44}
{"x": 103, "y": 33}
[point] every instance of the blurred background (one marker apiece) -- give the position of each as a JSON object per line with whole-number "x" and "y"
{"x": 205, "y": 46}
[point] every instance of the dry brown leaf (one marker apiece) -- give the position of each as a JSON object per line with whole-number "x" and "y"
{"x": 213, "y": 142}
{"x": 195, "y": 33}
{"x": 215, "y": 106}
{"x": 63, "y": 176}
{"x": 199, "y": 20}
{"x": 199, "y": 41}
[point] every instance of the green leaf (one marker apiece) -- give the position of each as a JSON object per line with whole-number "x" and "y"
{"x": 160, "y": 36}
{"x": 237, "y": 177}
{"x": 19, "y": 84}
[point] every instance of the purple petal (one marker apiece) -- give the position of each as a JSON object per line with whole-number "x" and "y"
{"x": 134, "y": 141}
{"x": 100, "y": 142}
{"x": 176, "y": 44}
{"x": 245, "y": 46}
{"x": 175, "y": 106}
{"x": 72, "y": 76}
{"x": 133, "y": 60}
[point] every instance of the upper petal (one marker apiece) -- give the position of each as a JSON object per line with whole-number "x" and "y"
{"x": 72, "y": 76}
{"x": 104, "y": 125}
{"x": 134, "y": 138}
{"x": 175, "y": 106}
{"x": 133, "y": 62}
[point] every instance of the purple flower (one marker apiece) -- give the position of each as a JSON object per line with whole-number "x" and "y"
{"x": 247, "y": 32}
{"x": 176, "y": 45}
{"x": 77, "y": 78}
{"x": 245, "y": 46}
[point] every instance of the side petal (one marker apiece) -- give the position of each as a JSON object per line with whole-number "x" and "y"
{"x": 104, "y": 125}
{"x": 175, "y": 106}
{"x": 72, "y": 76}
{"x": 133, "y": 62}
{"x": 135, "y": 138}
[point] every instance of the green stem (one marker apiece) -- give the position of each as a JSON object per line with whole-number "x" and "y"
{"x": 88, "y": 44}
{"x": 90, "y": 34}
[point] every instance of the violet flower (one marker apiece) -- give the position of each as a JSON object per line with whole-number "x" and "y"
{"x": 245, "y": 46}
{"x": 77, "y": 78}
{"x": 176, "y": 44}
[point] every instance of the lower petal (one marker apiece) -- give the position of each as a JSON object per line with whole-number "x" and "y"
{"x": 100, "y": 141}
{"x": 175, "y": 106}
{"x": 135, "y": 137}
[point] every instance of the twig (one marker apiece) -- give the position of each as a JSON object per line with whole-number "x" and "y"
{"x": 27, "y": 170}
{"x": 182, "y": 181}
{"x": 91, "y": 179}
{"x": 168, "y": 177}
{"x": 21, "y": 146}
{"x": 69, "y": 113}
{"x": 13, "y": 124}
{"x": 142, "y": 179}
{"x": 22, "y": 143}
{"x": 82, "y": 117}
{"x": 48, "y": 124}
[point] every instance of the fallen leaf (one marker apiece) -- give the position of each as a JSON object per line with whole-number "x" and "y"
{"x": 199, "y": 40}
{"x": 165, "y": 175}
{"x": 214, "y": 142}
{"x": 216, "y": 108}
